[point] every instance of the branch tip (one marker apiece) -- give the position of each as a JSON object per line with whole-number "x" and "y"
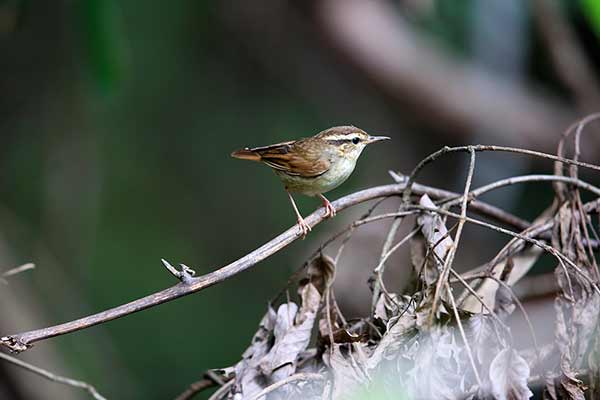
{"x": 398, "y": 177}
{"x": 13, "y": 344}
{"x": 184, "y": 275}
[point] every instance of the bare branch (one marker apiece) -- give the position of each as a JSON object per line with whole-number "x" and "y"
{"x": 55, "y": 378}
{"x": 21, "y": 341}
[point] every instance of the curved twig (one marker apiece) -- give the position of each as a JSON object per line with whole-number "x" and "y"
{"x": 443, "y": 279}
{"x": 523, "y": 179}
{"x": 556, "y": 253}
{"x": 22, "y": 341}
{"x": 53, "y": 377}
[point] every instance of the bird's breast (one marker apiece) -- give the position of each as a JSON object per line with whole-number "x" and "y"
{"x": 338, "y": 172}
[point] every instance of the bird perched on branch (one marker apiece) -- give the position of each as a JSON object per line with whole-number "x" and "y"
{"x": 313, "y": 165}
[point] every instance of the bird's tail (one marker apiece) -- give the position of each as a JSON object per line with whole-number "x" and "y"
{"x": 246, "y": 154}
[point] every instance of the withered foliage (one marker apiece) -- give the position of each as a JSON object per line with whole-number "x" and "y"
{"x": 447, "y": 335}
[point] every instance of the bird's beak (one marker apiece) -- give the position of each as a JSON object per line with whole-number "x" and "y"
{"x": 373, "y": 139}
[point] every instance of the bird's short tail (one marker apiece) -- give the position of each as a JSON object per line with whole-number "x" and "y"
{"x": 246, "y": 154}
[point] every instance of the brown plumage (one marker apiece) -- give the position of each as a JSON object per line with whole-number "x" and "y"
{"x": 299, "y": 158}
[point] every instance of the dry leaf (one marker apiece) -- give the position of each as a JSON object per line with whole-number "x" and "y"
{"x": 320, "y": 271}
{"x": 564, "y": 387}
{"x": 348, "y": 373}
{"x": 437, "y": 370}
{"x": 277, "y": 345}
{"x": 508, "y": 376}
{"x": 248, "y": 378}
{"x": 436, "y": 235}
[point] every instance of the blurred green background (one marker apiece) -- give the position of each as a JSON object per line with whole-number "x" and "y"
{"x": 117, "y": 120}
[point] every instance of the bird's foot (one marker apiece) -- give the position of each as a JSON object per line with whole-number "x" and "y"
{"x": 329, "y": 208}
{"x": 304, "y": 227}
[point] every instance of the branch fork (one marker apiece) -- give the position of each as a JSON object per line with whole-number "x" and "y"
{"x": 185, "y": 275}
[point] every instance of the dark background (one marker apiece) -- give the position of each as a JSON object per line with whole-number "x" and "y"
{"x": 117, "y": 120}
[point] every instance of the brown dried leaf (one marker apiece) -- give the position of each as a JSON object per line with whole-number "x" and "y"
{"x": 508, "y": 376}
{"x": 437, "y": 370}
{"x": 400, "y": 329}
{"x": 436, "y": 235}
{"x": 418, "y": 252}
{"x": 277, "y": 344}
{"x": 348, "y": 373}
{"x": 292, "y": 334}
{"x": 564, "y": 387}
{"x": 320, "y": 271}
{"x": 387, "y": 306}
{"x": 482, "y": 338}
{"x": 246, "y": 371}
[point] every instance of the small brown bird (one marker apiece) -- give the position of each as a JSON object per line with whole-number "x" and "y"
{"x": 314, "y": 165}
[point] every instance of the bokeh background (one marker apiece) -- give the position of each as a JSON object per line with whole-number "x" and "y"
{"x": 117, "y": 120}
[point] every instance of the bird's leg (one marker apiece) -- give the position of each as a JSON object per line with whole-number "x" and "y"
{"x": 329, "y": 209}
{"x": 304, "y": 227}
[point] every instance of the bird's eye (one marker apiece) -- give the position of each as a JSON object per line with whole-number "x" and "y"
{"x": 356, "y": 140}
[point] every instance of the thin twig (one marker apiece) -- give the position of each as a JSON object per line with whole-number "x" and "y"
{"x": 556, "y": 253}
{"x": 302, "y": 376}
{"x": 463, "y": 334}
{"x": 195, "y": 388}
{"x": 210, "y": 379}
{"x": 478, "y": 148}
{"x": 391, "y": 251}
{"x": 474, "y": 293}
{"x": 15, "y": 271}
{"x": 53, "y": 377}
{"x": 443, "y": 279}
{"x": 376, "y": 276}
{"x": 222, "y": 390}
{"x": 523, "y": 179}
{"x": 523, "y": 311}
{"x": 18, "y": 270}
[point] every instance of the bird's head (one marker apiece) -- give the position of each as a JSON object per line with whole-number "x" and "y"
{"x": 349, "y": 141}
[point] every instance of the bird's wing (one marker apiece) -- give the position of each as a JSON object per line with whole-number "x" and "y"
{"x": 255, "y": 154}
{"x": 294, "y": 158}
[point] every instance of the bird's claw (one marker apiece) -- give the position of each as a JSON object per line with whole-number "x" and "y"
{"x": 329, "y": 210}
{"x": 304, "y": 228}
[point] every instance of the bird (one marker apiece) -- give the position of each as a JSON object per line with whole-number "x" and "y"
{"x": 313, "y": 165}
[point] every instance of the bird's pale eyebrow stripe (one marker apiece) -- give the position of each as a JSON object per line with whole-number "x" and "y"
{"x": 339, "y": 138}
